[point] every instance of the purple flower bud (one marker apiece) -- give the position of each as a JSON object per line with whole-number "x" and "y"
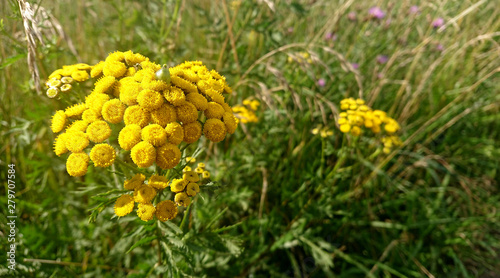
{"x": 321, "y": 82}
{"x": 351, "y": 16}
{"x": 376, "y": 12}
{"x": 414, "y": 9}
{"x": 328, "y": 36}
{"x": 438, "y": 22}
{"x": 439, "y": 47}
{"x": 382, "y": 59}
{"x": 355, "y": 65}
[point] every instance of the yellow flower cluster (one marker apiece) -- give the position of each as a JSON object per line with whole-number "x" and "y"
{"x": 357, "y": 116}
{"x": 246, "y": 113}
{"x": 60, "y": 80}
{"x": 324, "y": 132}
{"x": 160, "y": 109}
{"x": 144, "y": 193}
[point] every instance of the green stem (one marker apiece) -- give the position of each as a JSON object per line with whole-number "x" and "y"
{"x": 185, "y": 217}
{"x": 174, "y": 17}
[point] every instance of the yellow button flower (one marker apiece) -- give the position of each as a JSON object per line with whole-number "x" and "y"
{"x": 113, "y": 111}
{"x": 345, "y": 128}
{"x": 230, "y": 121}
{"x": 175, "y": 96}
{"x": 146, "y": 212}
{"x": 114, "y": 68}
{"x": 190, "y": 159}
{"x": 129, "y": 136}
{"x": 124, "y": 205}
{"x": 60, "y": 144}
{"x": 198, "y": 100}
{"x": 77, "y": 141}
{"x": 168, "y": 156}
{"x": 214, "y": 111}
{"x": 166, "y": 210}
{"x": 90, "y": 116}
{"x": 144, "y": 193}
{"x": 149, "y": 99}
{"x": 214, "y": 130}
{"x": 75, "y": 110}
{"x": 136, "y": 115}
{"x": 103, "y": 155}
{"x": 98, "y": 131}
{"x": 182, "y": 199}
{"x": 77, "y": 164}
{"x": 58, "y": 121}
{"x": 175, "y": 133}
{"x": 192, "y": 132}
{"x": 187, "y": 113}
{"x": 158, "y": 182}
{"x": 104, "y": 84}
{"x": 97, "y": 69}
{"x": 206, "y": 174}
{"x": 164, "y": 115}
{"x": 154, "y": 134}
{"x": 143, "y": 154}
{"x": 80, "y": 75}
{"x": 199, "y": 170}
{"x": 178, "y": 185}
{"x": 192, "y": 188}
{"x": 95, "y": 101}
{"x": 191, "y": 176}
{"x": 355, "y": 130}
{"x": 134, "y": 182}
{"x": 129, "y": 90}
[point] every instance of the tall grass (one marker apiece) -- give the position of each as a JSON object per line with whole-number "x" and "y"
{"x": 289, "y": 203}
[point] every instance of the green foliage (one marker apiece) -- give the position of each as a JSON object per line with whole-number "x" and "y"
{"x": 283, "y": 202}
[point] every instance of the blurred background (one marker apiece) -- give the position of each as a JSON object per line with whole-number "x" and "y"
{"x": 291, "y": 202}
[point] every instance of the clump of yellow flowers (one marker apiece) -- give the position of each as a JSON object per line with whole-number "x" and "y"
{"x": 152, "y": 110}
{"x": 246, "y": 113}
{"x": 357, "y": 116}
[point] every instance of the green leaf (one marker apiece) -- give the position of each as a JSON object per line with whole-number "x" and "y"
{"x": 141, "y": 242}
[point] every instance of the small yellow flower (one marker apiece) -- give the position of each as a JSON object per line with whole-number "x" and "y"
{"x": 178, "y": 185}
{"x": 230, "y": 121}
{"x": 58, "y": 121}
{"x": 175, "y": 96}
{"x": 183, "y": 84}
{"x": 77, "y": 164}
{"x": 201, "y": 165}
{"x": 187, "y": 113}
{"x": 149, "y": 99}
{"x": 65, "y": 88}
{"x": 214, "y": 111}
{"x": 191, "y": 176}
{"x": 134, "y": 182}
{"x": 192, "y": 188}
{"x": 79, "y": 125}
{"x": 199, "y": 170}
{"x": 98, "y": 131}
{"x": 146, "y": 212}
{"x": 60, "y": 144}
{"x": 325, "y": 133}
{"x": 104, "y": 84}
{"x": 175, "y": 133}
{"x": 54, "y": 83}
{"x": 164, "y": 115}
{"x": 114, "y": 68}
{"x": 75, "y": 110}
{"x": 103, "y": 155}
{"x": 136, "y": 115}
{"x": 158, "y": 182}
{"x": 192, "y": 132}
{"x": 124, "y": 205}
{"x": 129, "y": 90}
{"x": 113, "y": 111}
{"x": 206, "y": 174}
{"x": 67, "y": 80}
{"x": 166, "y": 210}
{"x": 355, "y": 130}
{"x": 144, "y": 193}
{"x": 90, "y": 116}
{"x": 345, "y": 128}
{"x": 95, "y": 101}
{"x": 168, "y": 156}
{"x": 80, "y": 76}
{"x": 190, "y": 159}
{"x": 129, "y": 136}
{"x": 198, "y": 100}
{"x": 186, "y": 169}
{"x": 214, "y": 130}
{"x": 76, "y": 141}
{"x": 97, "y": 69}
{"x": 143, "y": 154}
{"x": 133, "y": 58}
{"x": 182, "y": 199}
{"x": 52, "y": 92}
{"x": 154, "y": 134}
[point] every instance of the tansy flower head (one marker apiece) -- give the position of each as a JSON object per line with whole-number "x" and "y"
{"x": 144, "y": 193}
{"x": 192, "y": 188}
{"x": 58, "y": 121}
{"x": 199, "y": 170}
{"x": 186, "y": 169}
{"x": 198, "y": 100}
{"x": 129, "y": 136}
{"x": 158, "y": 182}
{"x": 214, "y": 130}
{"x": 187, "y": 113}
{"x": 164, "y": 115}
{"x": 104, "y": 84}
{"x": 143, "y": 154}
{"x": 129, "y": 90}
{"x": 77, "y": 164}
{"x": 90, "y": 116}
{"x": 134, "y": 182}
{"x": 230, "y": 121}
{"x": 97, "y": 69}
{"x": 168, "y": 156}
{"x": 146, "y": 211}
{"x": 214, "y": 110}
{"x": 136, "y": 115}
{"x": 103, "y": 155}
{"x": 75, "y": 110}
{"x": 124, "y": 205}
{"x": 66, "y": 88}
{"x": 60, "y": 144}
{"x": 80, "y": 75}
{"x": 166, "y": 210}
{"x": 95, "y": 101}
{"x": 175, "y": 96}
{"x": 191, "y": 176}
{"x": 190, "y": 159}
{"x": 114, "y": 68}
{"x": 178, "y": 185}
{"x": 79, "y": 125}
{"x": 201, "y": 165}
{"x": 98, "y": 131}
{"x": 206, "y": 174}
{"x": 52, "y": 92}
{"x": 149, "y": 99}
{"x": 182, "y": 199}
{"x": 175, "y": 133}
{"x": 113, "y": 111}
{"x": 77, "y": 141}
{"x": 192, "y": 132}
{"x": 154, "y": 134}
